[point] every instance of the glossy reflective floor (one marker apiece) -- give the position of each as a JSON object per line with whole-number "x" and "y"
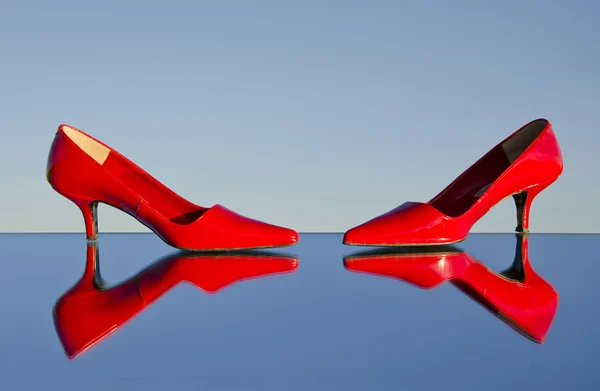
{"x": 131, "y": 313}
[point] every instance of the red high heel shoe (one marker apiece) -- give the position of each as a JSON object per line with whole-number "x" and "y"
{"x": 518, "y": 296}
{"x": 87, "y": 171}
{"x": 88, "y": 312}
{"x": 522, "y": 165}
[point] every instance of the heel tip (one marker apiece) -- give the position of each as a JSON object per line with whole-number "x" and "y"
{"x": 91, "y": 238}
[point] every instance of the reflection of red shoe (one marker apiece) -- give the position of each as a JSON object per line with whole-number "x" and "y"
{"x": 518, "y": 296}
{"x": 87, "y": 171}
{"x": 87, "y": 313}
{"x": 522, "y": 165}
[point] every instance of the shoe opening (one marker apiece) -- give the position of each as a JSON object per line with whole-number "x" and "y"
{"x": 458, "y": 197}
{"x": 517, "y": 144}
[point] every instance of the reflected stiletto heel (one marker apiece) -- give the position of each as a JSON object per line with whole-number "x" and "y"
{"x": 87, "y": 172}
{"x": 521, "y": 166}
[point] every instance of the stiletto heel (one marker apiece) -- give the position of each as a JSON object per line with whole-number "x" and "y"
{"x": 86, "y": 171}
{"x": 89, "y": 209}
{"x": 523, "y": 201}
{"x": 522, "y": 165}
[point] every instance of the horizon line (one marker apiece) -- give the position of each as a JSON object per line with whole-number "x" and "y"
{"x": 300, "y": 232}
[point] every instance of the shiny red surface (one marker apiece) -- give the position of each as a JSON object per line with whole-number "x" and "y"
{"x": 450, "y": 215}
{"x": 89, "y": 311}
{"x": 518, "y": 296}
{"x": 122, "y": 184}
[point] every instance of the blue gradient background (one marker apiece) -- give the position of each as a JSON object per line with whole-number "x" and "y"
{"x": 309, "y": 115}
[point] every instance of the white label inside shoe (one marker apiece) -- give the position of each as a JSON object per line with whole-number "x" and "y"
{"x": 95, "y": 150}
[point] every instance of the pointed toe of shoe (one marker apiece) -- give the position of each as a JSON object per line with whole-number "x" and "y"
{"x": 410, "y": 224}
{"x": 222, "y": 228}
{"x": 269, "y": 235}
{"x": 361, "y": 235}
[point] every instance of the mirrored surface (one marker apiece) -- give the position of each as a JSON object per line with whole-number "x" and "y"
{"x": 490, "y": 313}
